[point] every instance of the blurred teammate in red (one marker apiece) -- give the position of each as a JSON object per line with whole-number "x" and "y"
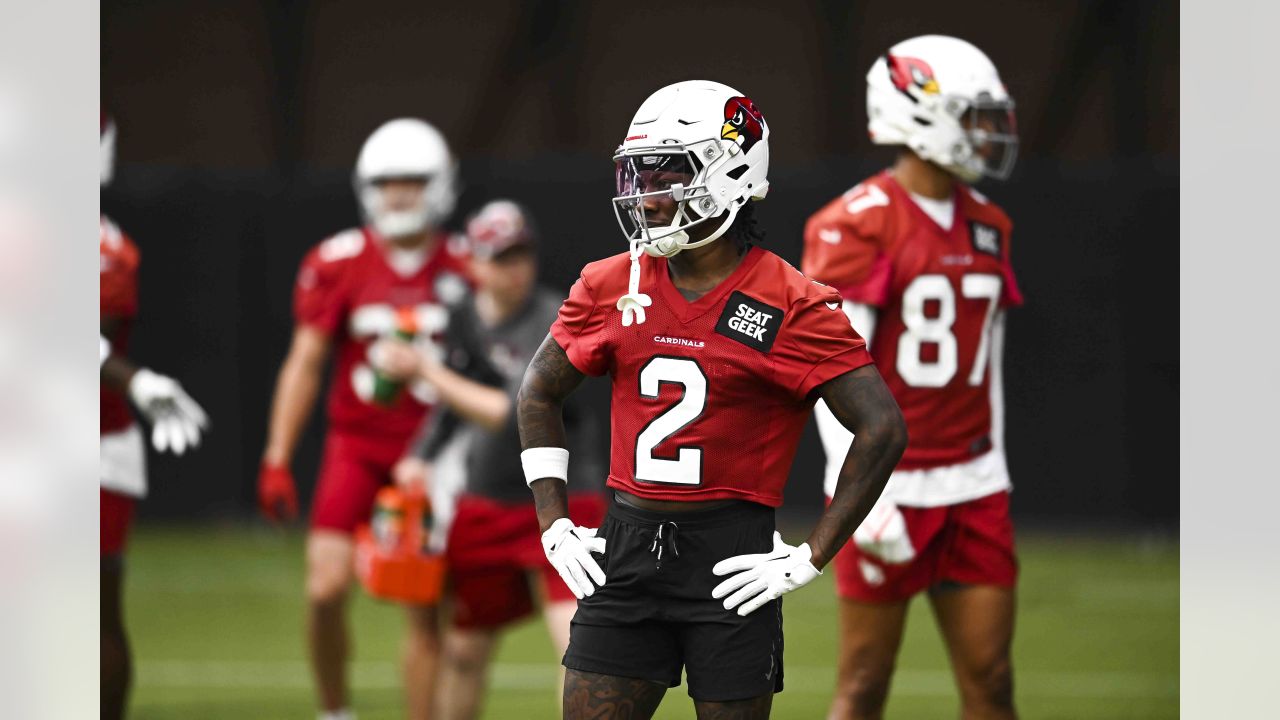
{"x": 176, "y": 423}
{"x": 497, "y": 571}
{"x": 395, "y": 275}
{"x": 922, "y": 261}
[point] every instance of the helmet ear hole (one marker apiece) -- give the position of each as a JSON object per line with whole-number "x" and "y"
{"x": 925, "y": 122}
{"x": 737, "y": 172}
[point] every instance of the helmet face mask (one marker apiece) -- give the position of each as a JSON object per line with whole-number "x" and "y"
{"x": 664, "y": 176}
{"x": 992, "y": 132}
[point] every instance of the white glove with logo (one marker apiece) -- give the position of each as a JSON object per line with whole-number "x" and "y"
{"x": 765, "y": 576}
{"x": 883, "y": 533}
{"x": 569, "y": 549}
{"x": 176, "y": 420}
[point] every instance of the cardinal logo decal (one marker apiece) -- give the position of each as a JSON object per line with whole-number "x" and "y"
{"x": 907, "y": 71}
{"x": 743, "y": 123}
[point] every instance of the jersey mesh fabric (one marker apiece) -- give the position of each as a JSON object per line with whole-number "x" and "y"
{"x": 879, "y": 248}
{"x": 725, "y": 381}
{"x": 346, "y": 289}
{"x": 118, "y": 298}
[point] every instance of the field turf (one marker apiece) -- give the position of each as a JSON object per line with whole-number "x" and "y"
{"x": 216, "y": 620}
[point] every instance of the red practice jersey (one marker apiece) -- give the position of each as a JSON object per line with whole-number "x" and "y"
{"x": 710, "y": 396}
{"x": 347, "y": 288}
{"x": 937, "y": 292}
{"x": 118, "y": 299}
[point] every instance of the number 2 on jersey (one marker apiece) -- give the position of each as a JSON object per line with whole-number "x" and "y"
{"x": 921, "y": 329}
{"x": 686, "y": 468}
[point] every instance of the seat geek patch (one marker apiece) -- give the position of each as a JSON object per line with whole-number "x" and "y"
{"x": 750, "y": 322}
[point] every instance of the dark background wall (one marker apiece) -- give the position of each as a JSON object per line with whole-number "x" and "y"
{"x": 239, "y": 122}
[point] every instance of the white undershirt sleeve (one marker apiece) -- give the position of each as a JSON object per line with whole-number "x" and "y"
{"x": 835, "y": 438}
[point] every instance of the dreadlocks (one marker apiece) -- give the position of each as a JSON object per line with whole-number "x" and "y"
{"x": 745, "y": 230}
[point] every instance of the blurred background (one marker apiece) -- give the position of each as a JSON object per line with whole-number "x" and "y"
{"x": 239, "y": 123}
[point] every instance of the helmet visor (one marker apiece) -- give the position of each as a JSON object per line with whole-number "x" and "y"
{"x": 992, "y": 129}
{"x": 655, "y": 187}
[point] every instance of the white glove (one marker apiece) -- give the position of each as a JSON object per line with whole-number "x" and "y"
{"x": 176, "y": 420}
{"x": 765, "y": 576}
{"x": 569, "y": 549}
{"x": 883, "y": 534}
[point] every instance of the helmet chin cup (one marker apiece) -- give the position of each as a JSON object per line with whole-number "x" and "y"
{"x": 668, "y": 245}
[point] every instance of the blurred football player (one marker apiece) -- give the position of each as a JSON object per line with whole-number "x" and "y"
{"x": 922, "y": 261}
{"x": 717, "y": 350}
{"x": 176, "y": 425}
{"x": 393, "y": 276}
{"x": 496, "y": 565}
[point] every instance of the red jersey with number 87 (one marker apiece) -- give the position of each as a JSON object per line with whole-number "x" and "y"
{"x": 938, "y": 292}
{"x": 709, "y": 396}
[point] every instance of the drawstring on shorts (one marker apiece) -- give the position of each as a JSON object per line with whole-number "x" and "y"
{"x": 664, "y": 542}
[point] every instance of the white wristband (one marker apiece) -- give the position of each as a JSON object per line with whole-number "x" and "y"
{"x": 545, "y": 462}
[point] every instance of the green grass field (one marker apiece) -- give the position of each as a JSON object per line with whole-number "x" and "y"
{"x": 216, "y": 620}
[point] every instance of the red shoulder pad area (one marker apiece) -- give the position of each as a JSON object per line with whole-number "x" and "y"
{"x": 318, "y": 299}
{"x": 845, "y": 243}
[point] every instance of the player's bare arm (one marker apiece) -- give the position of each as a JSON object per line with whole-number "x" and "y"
{"x": 297, "y": 386}
{"x": 550, "y": 379}
{"x": 862, "y": 403}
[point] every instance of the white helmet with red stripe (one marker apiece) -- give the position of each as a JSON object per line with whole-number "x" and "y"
{"x": 942, "y": 97}
{"x": 406, "y": 148}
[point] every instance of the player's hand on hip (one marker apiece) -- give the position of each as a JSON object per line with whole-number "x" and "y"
{"x": 569, "y": 549}
{"x": 176, "y": 420}
{"x": 277, "y": 494}
{"x": 413, "y": 472}
{"x": 757, "y": 579}
{"x": 883, "y": 534}
{"x": 394, "y": 358}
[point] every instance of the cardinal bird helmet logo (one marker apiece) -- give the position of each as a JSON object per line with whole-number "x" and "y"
{"x": 743, "y": 123}
{"x": 908, "y": 71}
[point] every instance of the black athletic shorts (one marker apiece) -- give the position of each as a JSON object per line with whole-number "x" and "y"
{"x": 655, "y": 614}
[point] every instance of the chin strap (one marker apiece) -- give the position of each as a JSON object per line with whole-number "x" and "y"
{"x": 634, "y": 302}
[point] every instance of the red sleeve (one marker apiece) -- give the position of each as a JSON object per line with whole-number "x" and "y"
{"x": 840, "y": 251}
{"x": 579, "y": 328}
{"x": 318, "y": 299}
{"x": 118, "y": 278}
{"x": 818, "y": 345}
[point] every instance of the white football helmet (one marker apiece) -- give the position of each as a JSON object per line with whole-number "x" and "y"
{"x": 406, "y": 148}
{"x": 942, "y": 98}
{"x": 698, "y": 128}
{"x": 106, "y": 148}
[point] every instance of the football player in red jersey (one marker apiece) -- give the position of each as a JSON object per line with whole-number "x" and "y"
{"x": 922, "y": 261}
{"x": 176, "y": 424}
{"x": 392, "y": 277}
{"x": 717, "y": 350}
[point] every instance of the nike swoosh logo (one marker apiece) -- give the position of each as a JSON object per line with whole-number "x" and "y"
{"x": 829, "y": 236}
{"x": 832, "y": 306}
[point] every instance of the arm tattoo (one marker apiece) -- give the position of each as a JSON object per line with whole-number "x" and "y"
{"x": 540, "y": 419}
{"x": 862, "y": 403}
{"x": 590, "y": 696}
